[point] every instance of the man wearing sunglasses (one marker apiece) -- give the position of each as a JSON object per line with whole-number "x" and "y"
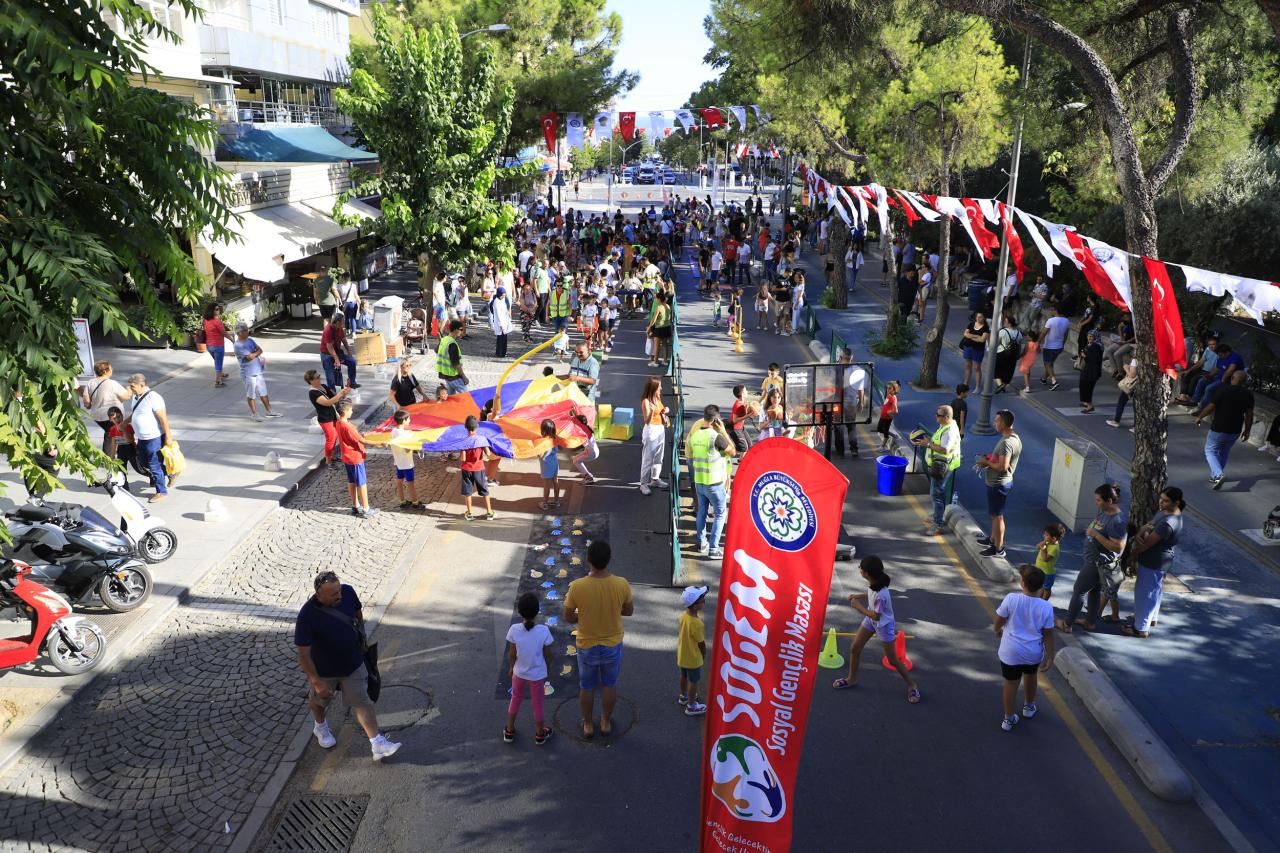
{"x": 330, "y": 637}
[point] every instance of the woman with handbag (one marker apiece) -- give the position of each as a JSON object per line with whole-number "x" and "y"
{"x": 1127, "y": 384}
{"x": 1090, "y": 371}
{"x": 100, "y": 395}
{"x": 1100, "y": 573}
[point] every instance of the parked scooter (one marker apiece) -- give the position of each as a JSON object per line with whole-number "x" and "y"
{"x": 152, "y": 539}
{"x": 73, "y": 643}
{"x": 79, "y": 561}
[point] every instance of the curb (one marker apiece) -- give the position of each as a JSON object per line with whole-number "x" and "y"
{"x": 16, "y": 742}
{"x": 967, "y": 532}
{"x": 1136, "y": 741}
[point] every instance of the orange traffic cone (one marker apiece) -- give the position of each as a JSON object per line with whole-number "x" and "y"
{"x": 435, "y": 327}
{"x": 900, "y": 647}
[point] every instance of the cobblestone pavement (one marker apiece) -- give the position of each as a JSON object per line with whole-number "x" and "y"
{"x": 177, "y": 744}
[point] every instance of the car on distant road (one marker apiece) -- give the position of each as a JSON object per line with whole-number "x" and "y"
{"x": 646, "y": 175}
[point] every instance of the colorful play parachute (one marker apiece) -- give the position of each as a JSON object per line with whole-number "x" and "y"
{"x": 437, "y": 427}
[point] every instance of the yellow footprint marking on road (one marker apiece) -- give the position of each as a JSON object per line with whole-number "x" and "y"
{"x": 575, "y": 561}
{"x": 563, "y": 573}
{"x": 577, "y": 533}
{"x": 534, "y": 573}
{"x": 577, "y": 522}
{"x": 566, "y": 670}
{"x": 547, "y": 689}
{"x": 571, "y": 651}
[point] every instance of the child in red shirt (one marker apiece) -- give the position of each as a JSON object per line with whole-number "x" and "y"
{"x": 353, "y": 454}
{"x": 474, "y": 480}
{"x": 121, "y": 442}
{"x": 887, "y": 411}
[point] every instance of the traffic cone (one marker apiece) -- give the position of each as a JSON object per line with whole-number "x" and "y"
{"x": 830, "y": 657}
{"x": 435, "y": 327}
{"x": 899, "y": 646}
{"x": 737, "y": 342}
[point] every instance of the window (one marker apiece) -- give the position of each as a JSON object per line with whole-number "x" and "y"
{"x": 275, "y": 12}
{"x": 324, "y": 22}
{"x": 169, "y": 17}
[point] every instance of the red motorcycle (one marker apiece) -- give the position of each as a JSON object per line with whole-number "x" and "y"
{"x": 73, "y": 643}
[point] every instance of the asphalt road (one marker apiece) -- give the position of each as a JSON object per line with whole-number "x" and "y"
{"x": 876, "y": 771}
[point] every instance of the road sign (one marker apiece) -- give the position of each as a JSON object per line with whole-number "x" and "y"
{"x": 559, "y": 181}
{"x": 85, "y": 346}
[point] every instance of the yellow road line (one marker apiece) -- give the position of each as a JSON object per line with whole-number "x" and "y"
{"x": 1087, "y": 744}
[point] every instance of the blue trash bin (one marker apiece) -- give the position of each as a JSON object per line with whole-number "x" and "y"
{"x": 890, "y": 473}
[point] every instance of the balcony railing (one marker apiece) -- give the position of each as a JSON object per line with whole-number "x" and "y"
{"x": 279, "y": 112}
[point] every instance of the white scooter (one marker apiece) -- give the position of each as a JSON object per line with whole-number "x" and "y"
{"x": 152, "y": 539}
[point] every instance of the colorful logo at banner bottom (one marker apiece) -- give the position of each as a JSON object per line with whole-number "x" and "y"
{"x": 743, "y": 779}
{"x": 782, "y": 513}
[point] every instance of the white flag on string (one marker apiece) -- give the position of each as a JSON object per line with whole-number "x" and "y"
{"x": 740, "y": 113}
{"x": 1050, "y": 257}
{"x": 685, "y": 117}
{"x": 604, "y": 126}
{"x": 657, "y": 125}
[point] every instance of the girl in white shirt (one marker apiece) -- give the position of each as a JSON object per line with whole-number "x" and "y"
{"x": 878, "y": 622}
{"x": 529, "y": 651}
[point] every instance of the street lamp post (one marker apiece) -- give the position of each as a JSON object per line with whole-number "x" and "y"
{"x": 492, "y": 28}
{"x": 984, "y": 425}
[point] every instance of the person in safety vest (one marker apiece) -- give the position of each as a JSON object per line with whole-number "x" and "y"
{"x": 710, "y": 449}
{"x": 558, "y": 308}
{"x": 941, "y": 461}
{"x": 449, "y": 361}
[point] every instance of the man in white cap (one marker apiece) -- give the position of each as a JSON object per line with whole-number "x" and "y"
{"x": 691, "y": 649}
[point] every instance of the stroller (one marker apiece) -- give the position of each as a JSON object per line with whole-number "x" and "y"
{"x": 415, "y": 331}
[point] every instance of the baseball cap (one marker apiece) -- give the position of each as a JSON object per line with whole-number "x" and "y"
{"x": 692, "y": 594}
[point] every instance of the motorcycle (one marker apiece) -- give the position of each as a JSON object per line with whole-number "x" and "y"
{"x": 76, "y": 558}
{"x": 73, "y": 643}
{"x": 152, "y": 539}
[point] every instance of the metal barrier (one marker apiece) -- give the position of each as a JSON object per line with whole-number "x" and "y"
{"x": 677, "y": 447}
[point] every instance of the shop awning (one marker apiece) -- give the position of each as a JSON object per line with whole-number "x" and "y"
{"x": 284, "y": 144}
{"x": 355, "y": 207}
{"x": 274, "y": 236}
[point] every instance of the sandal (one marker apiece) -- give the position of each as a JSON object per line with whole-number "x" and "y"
{"x": 1112, "y": 619}
{"x": 545, "y": 505}
{"x": 913, "y": 695}
{"x": 1061, "y": 625}
{"x": 605, "y": 732}
{"x": 588, "y": 729}
{"x": 842, "y": 684}
{"x": 1131, "y": 631}
{"x": 543, "y": 736}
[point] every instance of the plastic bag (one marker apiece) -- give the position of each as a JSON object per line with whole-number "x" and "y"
{"x": 174, "y": 462}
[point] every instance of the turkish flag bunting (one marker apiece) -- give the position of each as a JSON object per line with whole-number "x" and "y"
{"x": 907, "y": 209}
{"x": 1093, "y": 271}
{"x": 549, "y": 129}
{"x": 1171, "y": 346}
{"x": 986, "y": 241}
{"x": 1015, "y": 242}
{"x": 711, "y": 116}
{"x": 627, "y": 124}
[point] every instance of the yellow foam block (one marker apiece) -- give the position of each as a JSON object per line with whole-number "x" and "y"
{"x": 619, "y": 432}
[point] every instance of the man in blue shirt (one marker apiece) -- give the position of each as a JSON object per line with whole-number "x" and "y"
{"x": 1229, "y": 362}
{"x": 584, "y": 370}
{"x": 329, "y": 634}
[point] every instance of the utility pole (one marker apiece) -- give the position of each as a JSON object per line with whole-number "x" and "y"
{"x": 984, "y": 426}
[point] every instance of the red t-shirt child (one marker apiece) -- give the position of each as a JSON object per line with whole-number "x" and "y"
{"x": 352, "y": 445}
{"x": 473, "y": 459}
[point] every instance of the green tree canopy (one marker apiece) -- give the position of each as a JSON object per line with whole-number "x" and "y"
{"x": 438, "y": 143}
{"x": 102, "y": 185}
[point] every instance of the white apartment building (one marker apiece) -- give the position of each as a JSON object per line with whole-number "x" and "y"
{"x": 284, "y": 56}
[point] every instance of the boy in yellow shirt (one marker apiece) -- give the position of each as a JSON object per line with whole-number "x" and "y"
{"x": 691, "y": 649}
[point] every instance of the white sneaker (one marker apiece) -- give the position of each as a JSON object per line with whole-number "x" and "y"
{"x": 1268, "y": 448}
{"x": 662, "y": 484}
{"x": 695, "y": 709}
{"x": 645, "y": 490}
{"x": 383, "y": 748}
{"x": 704, "y": 549}
{"x": 274, "y": 415}
{"x": 717, "y": 552}
{"x": 324, "y": 737}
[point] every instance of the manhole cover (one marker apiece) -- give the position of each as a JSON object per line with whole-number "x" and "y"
{"x": 403, "y": 705}
{"x": 319, "y": 825}
{"x": 568, "y": 720}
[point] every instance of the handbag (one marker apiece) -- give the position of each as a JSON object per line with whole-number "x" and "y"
{"x": 1128, "y": 383}
{"x": 369, "y": 651}
{"x": 201, "y": 336}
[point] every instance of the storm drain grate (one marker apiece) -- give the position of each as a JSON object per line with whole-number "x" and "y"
{"x": 319, "y": 825}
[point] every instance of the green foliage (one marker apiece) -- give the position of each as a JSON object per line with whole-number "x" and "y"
{"x": 827, "y": 299}
{"x": 437, "y": 141}
{"x": 101, "y": 181}
{"x": 557, "y": 56}
{"x": 898, "y": 337}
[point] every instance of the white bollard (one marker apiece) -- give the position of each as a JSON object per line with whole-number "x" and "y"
{"x": 272, "y": 462}
{"x": 214, "y": 510}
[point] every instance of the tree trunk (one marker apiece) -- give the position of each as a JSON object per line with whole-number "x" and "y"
{"x": 1149, "y": 468}
{"x": 838, "y": 238}
{"x": 933, "y": 341}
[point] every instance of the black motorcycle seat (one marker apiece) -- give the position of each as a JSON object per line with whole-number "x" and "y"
{"x": 35, "y": 513}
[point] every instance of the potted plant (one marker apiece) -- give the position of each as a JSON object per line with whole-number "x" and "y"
{"x": 190, "y": 321}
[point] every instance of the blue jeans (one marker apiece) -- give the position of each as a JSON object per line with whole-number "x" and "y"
{"x": 744, "y": 272}
{"x": 1204, "y": 391}
{"x": 1217, "y": 447}
{"x": 938, "y": 490}
{"x": 149, "y": 459}
{"x": 599, "y": 666}
{"x": 1146, "y": 598}
{"x": 333, "y": 374}
{"x": 770, "y": 270}
{"x": 456, "y": 385}
{"x": 711, "y": 497}
{"x": 217, "y": 353}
